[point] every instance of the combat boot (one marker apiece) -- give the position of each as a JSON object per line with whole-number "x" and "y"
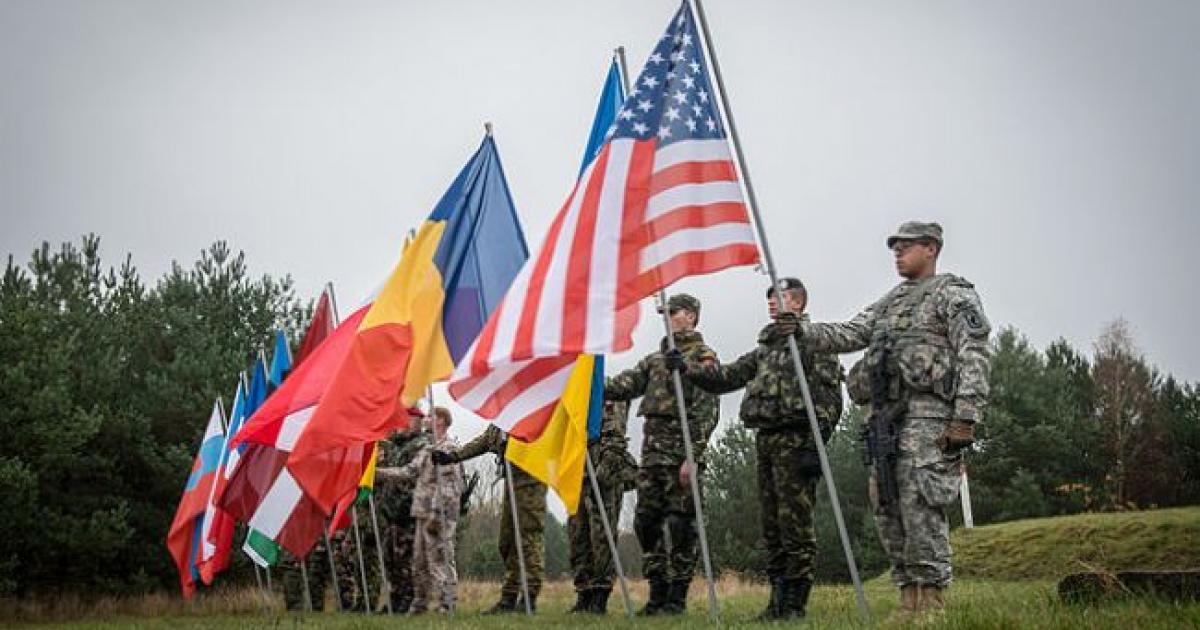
{"x": 600, "y": 600}
{"x": 507, "y": 604}
{"x": 772, "y": 611}
{"x": 677, "y": 597}
{"x": 658, "y": 598}
{"x": 931, "y": 602}
{"x": 909, "y": 594}
{"x": 583, "y": 601}
{"x": 794, "y": 599}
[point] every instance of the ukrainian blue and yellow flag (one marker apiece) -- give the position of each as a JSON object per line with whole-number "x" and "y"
{"x": 557, "y": 457}
{"x": 450, "y": 277}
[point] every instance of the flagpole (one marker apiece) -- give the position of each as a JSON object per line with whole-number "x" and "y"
{"x": 782, "y": 308}
{"x": 308, "y": 607}
{"x": 608, "y": 533}
{"x": 965, "y": 495}
{"x": 333, "y": 575}
{"x": 714, "y": 607}
{"x": 385, "y": 584}
{"x": 362, "y": 566}
{"x": 512, "y": 502}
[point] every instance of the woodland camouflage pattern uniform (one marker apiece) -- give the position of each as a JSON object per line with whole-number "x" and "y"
{"x": 616, "y": 473}
{"x": 317, "y": 566}
{"x": 787, "y": 460}
{"x": 395, "y": 499}
{"x": 929, "y": 336}
{"x": 662, "y": 499}
{"x": 435, "y": 503}
{"x": 531, "y": 510}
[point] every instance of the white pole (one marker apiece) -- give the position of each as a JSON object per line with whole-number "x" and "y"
{"x": 968, "y": 517}
{"x": 512, "y": 502}
{"x": 608, "y": 533}
{"x": 769, "y": 262}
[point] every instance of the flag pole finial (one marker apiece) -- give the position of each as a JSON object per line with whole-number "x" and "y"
{"x": 487, "y": 127}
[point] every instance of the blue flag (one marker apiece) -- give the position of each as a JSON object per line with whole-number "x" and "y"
{"x": 281, "y": 362}
{"x": 257, "y": 393}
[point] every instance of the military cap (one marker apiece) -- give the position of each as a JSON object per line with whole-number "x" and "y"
{"x": 684, "y": 301}
{"x": 916, "y": 230}
{"x": 788, "y": 284}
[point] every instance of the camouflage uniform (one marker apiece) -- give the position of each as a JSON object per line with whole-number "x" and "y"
{"x": 395, "y": 501}
{"x": 317, "y": 567}
{"x": 435, "y": 510}
{"x": 930, "y": 337}
{"x": 349, "y": 573}
{"x": 531, "y": 510}
{"x": 591, "y": 558}
{"x": 661, "y": 496}
{"x": 787, "y": 460}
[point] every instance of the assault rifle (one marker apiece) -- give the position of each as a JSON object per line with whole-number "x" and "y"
{"x": 881, "y": 439}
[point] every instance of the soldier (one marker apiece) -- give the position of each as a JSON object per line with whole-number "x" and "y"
{"x": 349, "y": 572}
{"x": 435, "y": 509}
{"x": 317, "y": 568}
{"x": 927, "y": 354}
{"x": 395, "y": 498}
{"x": 664, "y": 491}
{"x": 616, "y": 473}
{"x": 531, "y": 510}
{"x": 787, "y": 460}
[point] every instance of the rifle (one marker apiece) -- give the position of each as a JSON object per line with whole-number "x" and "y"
{"x": 881, "y": 440}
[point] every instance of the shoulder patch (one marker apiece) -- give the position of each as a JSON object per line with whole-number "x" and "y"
{"x": 972, "y": 317}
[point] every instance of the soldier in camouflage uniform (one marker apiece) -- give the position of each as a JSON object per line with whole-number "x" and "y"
{"x": 787, "y": 460}
{"x": 317, "y": 567}
{"x": 349, "y": 571}
{"x": 926, "y": 343}
{"x": 395, "y": 499}
{"x": 664, "y": 491}
{"x": 435, "y": 509}
{"x": 531, "y": 511}
{"x": 591, "y": 558}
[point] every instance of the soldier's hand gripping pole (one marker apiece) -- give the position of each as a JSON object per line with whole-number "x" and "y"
{"x": 752, "y": 202}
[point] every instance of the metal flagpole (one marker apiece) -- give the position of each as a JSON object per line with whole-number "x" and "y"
{"x": 362, "y": 566}
{"x": 333, "y": 576}
{"x": 512, "y": 502}
{"x": 795, "y": 351}
{"x": 307, "y": 593}
{"x": 385, "y": 584}
{"x": 965, "y": 492}
{"x": 714, "y": 607}
{"x": 608, "y": 533}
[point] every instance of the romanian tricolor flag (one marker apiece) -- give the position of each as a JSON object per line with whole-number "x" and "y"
{"x": 449, "y": 279}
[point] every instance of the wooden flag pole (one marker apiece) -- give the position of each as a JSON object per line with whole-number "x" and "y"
{"x": 798, "y": 363}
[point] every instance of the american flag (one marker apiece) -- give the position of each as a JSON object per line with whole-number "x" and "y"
{"x": 661, "y": 201}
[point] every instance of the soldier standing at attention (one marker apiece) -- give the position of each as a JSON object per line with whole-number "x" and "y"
{"x": 435, "y": 504}
{"x": 927, "y": 353}
{"x": 664, "y": 491}
{"x": 591, "y": 558}
{"x": 787, "y": 460}
{"x": 531, "y": 510}
{"x": 395, "y": 497}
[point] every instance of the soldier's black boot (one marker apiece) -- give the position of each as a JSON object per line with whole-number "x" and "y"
{"x": 658, "y": 598}
{"x": 773, "y": 610}
{"x": 677, "y": 597}
{"x": 520, "y": 607}
{"x": 600, "y": 600}
{"x": 507, "y": 604}
{"x": 583, "y": 601}
{"x": 795, "y": 598}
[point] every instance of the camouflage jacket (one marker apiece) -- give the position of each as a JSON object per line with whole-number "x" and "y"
{"x": 773, "y": 398}
{"x": 438, "y": 488}
{"x": 662, "y": 443}
{"x": 930, "y": 336}
{"x": 395, "y": 495}
{"x": 610, "y": 452}
{"x": 494, "y": 441}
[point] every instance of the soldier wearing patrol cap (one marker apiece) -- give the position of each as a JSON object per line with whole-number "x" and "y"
{"x": 787, "y": 461}
{"x": 664, "y": 492}
{"x": 927, "y": 354}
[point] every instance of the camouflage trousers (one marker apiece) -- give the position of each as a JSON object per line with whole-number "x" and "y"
{"x": 398, "y": 555}
{"x": 316, "y": 565}
{"x": 349, "y": 569}
{"x": 531, "y": 510}
{"x": 591, "y": 558}
{"x": 663, "y": 501}
{"x": 787, "y": 488}
{"x": 434, "y": 571}
{"x": 915, "y": 531}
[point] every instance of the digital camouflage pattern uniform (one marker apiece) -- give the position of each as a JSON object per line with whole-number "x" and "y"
{"x": 787, "y": 460}
{"x": 435, "y": 503}
{"x": 395, "y": 500}
{"x": 616, "y": 472}
{"x": 531, "y": 511}
{"x": 931, "y": 335}
{"x": 662, "y": 499}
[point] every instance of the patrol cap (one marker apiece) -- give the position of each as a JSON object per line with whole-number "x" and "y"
{"x": 916, "y": 230}
{"x": 788, "y": 284}
{"x": 684, "y": 301}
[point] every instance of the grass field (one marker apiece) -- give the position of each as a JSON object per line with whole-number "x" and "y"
{"x": 1006, "y": 579}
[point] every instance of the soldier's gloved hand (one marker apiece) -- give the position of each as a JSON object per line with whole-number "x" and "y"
{"x": 674, "y": 360}
{"x": 959, "y": 434}
{"x": 788, "y": 324}
{"x": 441, "y": 458}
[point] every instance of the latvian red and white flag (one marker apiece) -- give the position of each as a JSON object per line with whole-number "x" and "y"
{"x": 660, "y": 202}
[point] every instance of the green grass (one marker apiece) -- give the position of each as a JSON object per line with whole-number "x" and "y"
{"x": 1049, "y": 548}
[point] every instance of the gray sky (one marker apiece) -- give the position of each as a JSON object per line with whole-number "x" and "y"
{"x": 1057, "y": 142}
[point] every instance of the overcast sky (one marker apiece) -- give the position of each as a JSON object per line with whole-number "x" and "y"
{"x": 1057, "y": 142}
